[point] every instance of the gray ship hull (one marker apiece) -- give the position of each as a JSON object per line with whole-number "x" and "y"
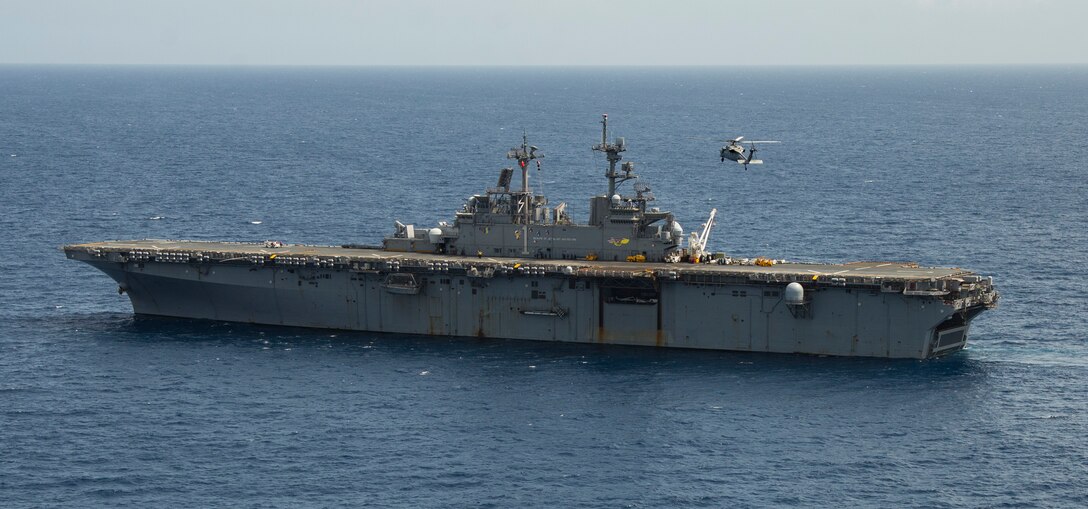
{"x": 870, "y": 310}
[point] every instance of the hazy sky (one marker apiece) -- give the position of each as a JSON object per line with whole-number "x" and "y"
{"x": 543, "y": 32}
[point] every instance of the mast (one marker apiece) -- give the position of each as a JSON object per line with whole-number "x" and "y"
{"x": 612, "y": 151}
{"x": 524, "y": 154}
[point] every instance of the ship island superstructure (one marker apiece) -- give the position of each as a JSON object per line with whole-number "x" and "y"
{"x": 510, "y": 265}
{"x": 508, "y": 221}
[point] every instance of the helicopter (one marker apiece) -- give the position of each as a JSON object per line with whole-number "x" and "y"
{"x": 734, "y": 151}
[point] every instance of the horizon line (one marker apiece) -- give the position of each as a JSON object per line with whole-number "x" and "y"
{"x": 523, "y": 66}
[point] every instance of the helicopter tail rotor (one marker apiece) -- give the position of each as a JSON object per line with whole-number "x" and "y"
{"x": 751, "y": 156}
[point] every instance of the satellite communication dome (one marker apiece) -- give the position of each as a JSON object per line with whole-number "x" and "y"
{"x": 795, "y": 294}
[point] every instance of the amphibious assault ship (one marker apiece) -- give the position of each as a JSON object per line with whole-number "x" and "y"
{"x": 511, "y": 265}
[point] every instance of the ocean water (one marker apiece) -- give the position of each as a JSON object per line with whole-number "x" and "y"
{"x": 980, "y": 167}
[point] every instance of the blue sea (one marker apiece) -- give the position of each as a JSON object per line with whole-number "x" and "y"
{"x": 976, "y": 167}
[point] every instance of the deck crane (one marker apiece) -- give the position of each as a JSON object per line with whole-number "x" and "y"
{"x": 697, "y": 244}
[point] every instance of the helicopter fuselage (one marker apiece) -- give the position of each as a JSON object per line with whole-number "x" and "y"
{"x": 734, "y": 152}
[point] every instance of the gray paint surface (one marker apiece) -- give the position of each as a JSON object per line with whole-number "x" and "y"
{"x": 861, "y": 309}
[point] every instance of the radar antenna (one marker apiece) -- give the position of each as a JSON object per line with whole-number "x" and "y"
{"x": 612, "y": 151}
